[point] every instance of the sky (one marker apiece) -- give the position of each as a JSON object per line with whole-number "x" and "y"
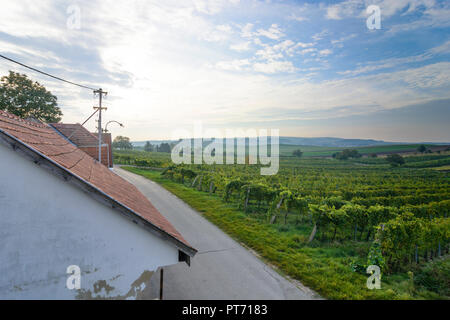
{"x": 307, "y": 68}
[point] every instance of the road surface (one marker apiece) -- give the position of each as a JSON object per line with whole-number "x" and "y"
{"x": 222, "y": 268}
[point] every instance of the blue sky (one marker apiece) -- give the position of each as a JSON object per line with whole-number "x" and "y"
{"x": 309, "y": 68}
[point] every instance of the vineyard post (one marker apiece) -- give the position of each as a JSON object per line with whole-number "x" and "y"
{"x": 246, "y": 199}
{"x": 199, "y": 188}
{"x": 416, "y": 254}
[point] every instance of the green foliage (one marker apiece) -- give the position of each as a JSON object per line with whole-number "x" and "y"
{"x": 149, "y": 147}
{"x": 347, "y": 154}
{"x": 297, "y": 153}
{"x": 402, "y": 236}
{"x": 422, "y": 148}
{"x": 395, "y": 160}
{"x": 122, "y": 143}
{"x": 435, "y": 276}
{"x": 375, "y": 256}
{"x": 25, "y": 98}
{"x": 163, "y": 147}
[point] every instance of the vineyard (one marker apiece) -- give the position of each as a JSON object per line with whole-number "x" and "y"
{"x": 337, "y": 217}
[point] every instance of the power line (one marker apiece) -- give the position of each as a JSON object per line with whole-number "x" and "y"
{"x": 47, "y": 74}
{"x": 100, "y": 93}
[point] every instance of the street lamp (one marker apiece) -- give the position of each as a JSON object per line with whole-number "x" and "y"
{"x": 106, "y": 126}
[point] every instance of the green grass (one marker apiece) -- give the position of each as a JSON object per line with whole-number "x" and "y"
{"x": 324, "y": 267}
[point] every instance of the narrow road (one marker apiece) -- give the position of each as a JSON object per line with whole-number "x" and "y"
{"x": 222, "y": 268}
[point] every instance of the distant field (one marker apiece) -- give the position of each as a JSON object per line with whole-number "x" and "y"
{"x": 312, "y": 151}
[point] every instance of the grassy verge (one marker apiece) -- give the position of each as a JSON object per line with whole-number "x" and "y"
{"x": 324, "y": 268}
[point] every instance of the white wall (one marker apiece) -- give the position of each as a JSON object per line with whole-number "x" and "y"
{"x": 47, "y": 225}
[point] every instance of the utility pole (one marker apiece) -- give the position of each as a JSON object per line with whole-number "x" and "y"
{"x": 100, "y": 93}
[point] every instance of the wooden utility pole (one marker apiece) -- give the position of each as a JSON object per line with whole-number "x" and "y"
{"x": 100, "y": 93}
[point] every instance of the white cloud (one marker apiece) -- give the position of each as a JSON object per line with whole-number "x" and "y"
{"x": 274, "y": 32}
{"x": 309, "y": 50}
{"x": 233, "y": 65}
{"x": 325, "y": 52}
{"x": 297, "y": 18}
{"x": 339, "y": 42}
{"x": 434, "y": 13}
{"x": 212, "y": 7}
{"x": 274, "y": 67}
{"x": 442, "y": 49}
{"x": 240, "y": 47}
{"x": 246, "y": 31}
{"x": 395, "y": 62}
{"x": 320, "y": 35}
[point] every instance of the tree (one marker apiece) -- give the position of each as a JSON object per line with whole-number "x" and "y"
{"x": 422, "y": 148}
{"x": 163, "y": 147}
{"x": 25, "y": 98}
{"x": 148, "y": 147}
{"x": 297, "y": 153}
{"x": 123, "y": 143}
{"x": 347, "y": 153}
{"x": 395, "y": 160}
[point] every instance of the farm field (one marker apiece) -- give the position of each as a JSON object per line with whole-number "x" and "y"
{"x": 323, "y": 221}
{"x": 313, "y": 151}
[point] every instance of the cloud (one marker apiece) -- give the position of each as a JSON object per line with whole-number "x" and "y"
{"x": 309, "y": 50}
{"x": 297, "y": 18}
{"x": 356, "y": 8}
{"x": 274, "y": 32}
{"x": 426, "y": 13}
{"x": 240, "y": 47}
{"x": 320, "y": 35}
{"x": 395, "y": 62}
{"x": 325, "y": 52}
{"x": 339, "y": 42}
{"x": 442, "y": 49}
{"x": 233, "y": 65}
{"x": 274, "y": 67}
{"x": 246, "y": 31}
{"x": 212, "y": 7}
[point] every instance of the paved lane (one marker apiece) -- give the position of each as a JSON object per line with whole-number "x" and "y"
{"x": 222, "y": 268}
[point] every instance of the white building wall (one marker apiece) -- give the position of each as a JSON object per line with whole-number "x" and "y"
{"x": 47, "y": 225}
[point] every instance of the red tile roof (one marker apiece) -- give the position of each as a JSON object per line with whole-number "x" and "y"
{"x": 76, "y": 133}
{"x": 45, "y": 140}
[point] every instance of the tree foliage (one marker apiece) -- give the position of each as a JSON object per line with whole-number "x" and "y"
{"x": 395, "y": 160}
{"x": 122, "y": 143}
{"x": 346, "y": 154}
{"x": 163, "y": 147}
{"x": 25, "y": 98}
{"x": 149, "y": 147}
{"x": 297, "y": 153}
{"x": 422, "y": 148}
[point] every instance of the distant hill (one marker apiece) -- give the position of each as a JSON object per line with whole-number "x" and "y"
{"x": 332, "y": 142}
{"x": 315, "y": 142}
